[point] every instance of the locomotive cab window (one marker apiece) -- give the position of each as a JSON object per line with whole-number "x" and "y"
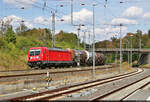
{"x": 35, "y": 52}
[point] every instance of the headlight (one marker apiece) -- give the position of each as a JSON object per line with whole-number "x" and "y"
{"x": 38, "y": 57}
{"x": 30, "y": 57}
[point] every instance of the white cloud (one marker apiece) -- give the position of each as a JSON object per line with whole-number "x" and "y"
{"x": 107, "y": 33}
{"x": 133, "y": 12}
{"x": 41, "y": 20}
{"x": 21, "y": 3}
{"x": 100, "y": 33}
{"x": 81, "y": 16}
{"x": 28, "y": 24}
{"x": 146, "y": 16}
{"x": 15, "y": 21}
{"x": 117, "y": 30}
{"x": 11, "y": 19}
{"x": 46, "y": 21}
{"x": 123, "y": 21}
{"x": 57, "y": 31}
{"x": 109, "y": 30}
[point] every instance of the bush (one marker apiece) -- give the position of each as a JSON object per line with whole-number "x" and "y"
{"x": 3, "y": 43}
{"x": 135, "y": 64}
{"x": 10, "y": 36}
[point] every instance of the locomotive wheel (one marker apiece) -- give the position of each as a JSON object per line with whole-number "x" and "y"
{"x": 42, "y": 67}
{"x": 68, "y": 66}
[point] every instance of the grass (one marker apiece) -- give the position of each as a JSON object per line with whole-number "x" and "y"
{"x": 12, "y": 62}
{"x": 126, "y": 66}
{"x": 146, "y": 66}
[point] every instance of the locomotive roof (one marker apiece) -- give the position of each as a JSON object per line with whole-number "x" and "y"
{"x": 54, "y": 49}
{"x": 57, "y": 49}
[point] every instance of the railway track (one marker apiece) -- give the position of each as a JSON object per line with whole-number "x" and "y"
{"x": 61, "y": 93}
{"x": 29, "y": 70}
{"x": 141, "y": 87}
{"x": 118, "y": 86}
{"x": 55, "y": 72}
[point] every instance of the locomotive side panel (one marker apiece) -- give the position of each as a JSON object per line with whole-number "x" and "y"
{"x": 59, "y": 55}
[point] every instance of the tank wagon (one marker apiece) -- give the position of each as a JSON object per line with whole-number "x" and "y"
{"x": 55, "y": 57}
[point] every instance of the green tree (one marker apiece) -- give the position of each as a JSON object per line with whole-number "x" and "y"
{"x": 3, "y": 43}
{"x": 149, "y": 33}
{"x": 21, "y": 28}
{"x": 145, "y": 40}
{"x": 10, "y": 35}
{"x": 139, "y": 33}
{"x": 48, "y": 34}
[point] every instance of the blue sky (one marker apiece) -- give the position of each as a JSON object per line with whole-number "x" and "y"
{"x": 133, "y": 14}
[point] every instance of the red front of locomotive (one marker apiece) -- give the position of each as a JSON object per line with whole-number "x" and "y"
{"x": 36, "y": 56}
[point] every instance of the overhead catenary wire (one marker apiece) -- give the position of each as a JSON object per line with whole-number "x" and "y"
{"x": 86, "y": 22}
{"x": 47, "y": 8}
{"x": 134, "y": 1}
{"x": 34, "y": 5}
{"x": 98, "y": 2}
{"x": 40, "y": 5}
{"x": 37, "y": 6}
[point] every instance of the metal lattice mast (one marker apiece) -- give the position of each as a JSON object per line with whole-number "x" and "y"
{"x": 131, "y": 51}
{"x": 53, "y": 29}
{"x": 78, "y": 47}
{"x": 72, "y": 12}
{"x": 84, "y": 38}
{"x": 120, "y": 49}
{"x": 94, "y": 40}
{"x": 89, "y": 39}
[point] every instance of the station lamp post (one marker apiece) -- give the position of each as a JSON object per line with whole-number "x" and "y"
{"x": 89, "y": 39}
{"x": 127, "y": 42}
{"x": 79, "y": 28}
{"x": 84, "y": 38}
{"x": 116, "y": 51}
{"x": 120, "y": 48}
{"x": 140, "y": 40}
{"x": 94, "y": 39}
{"x": 53, "y": 24}
{"x": 131, "y": 49}
{"x": 93, "y": 5}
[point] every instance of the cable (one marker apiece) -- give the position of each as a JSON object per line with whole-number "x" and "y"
{"x": 134, "y": 1}
{"x": 99, "y": 2}
{"x": 47, "y": 7}
{"x": 36, "y": 7}
{"x": 79, "y": 19}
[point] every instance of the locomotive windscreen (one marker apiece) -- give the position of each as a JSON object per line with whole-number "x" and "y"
{"x": 35, "y": 52}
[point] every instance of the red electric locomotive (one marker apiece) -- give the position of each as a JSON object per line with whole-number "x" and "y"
{"x": 47, "y": 57}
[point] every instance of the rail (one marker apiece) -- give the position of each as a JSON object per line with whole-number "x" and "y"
{"x": 65, "y": 90}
